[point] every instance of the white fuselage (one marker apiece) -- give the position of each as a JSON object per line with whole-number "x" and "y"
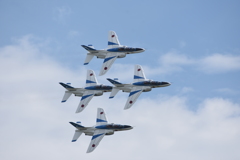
{"x": 80, "y": 91}
{"x": 89, "y": 131}
{"x": 146, "y": 88}
{"x": 121, "y": 54}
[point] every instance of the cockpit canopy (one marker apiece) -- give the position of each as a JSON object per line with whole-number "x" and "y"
{"x": 152, "y": 82}
{"x": 103, "y": 87}
{"x": 114, "y": 126}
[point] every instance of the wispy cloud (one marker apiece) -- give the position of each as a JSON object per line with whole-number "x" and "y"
{"x": 227, "y": 91}
{"x": 215, "y": 63}
{"x": 73, "y": 33}
{"x": 60, "y": 14}
{"x": 218, "y": 63}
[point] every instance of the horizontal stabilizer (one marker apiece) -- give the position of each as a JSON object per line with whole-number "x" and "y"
{"x": 66, "y": 95}
{"x": 76, "y": 135}
{"x": 114, "y": 92}
{"x": 88, "y": 58}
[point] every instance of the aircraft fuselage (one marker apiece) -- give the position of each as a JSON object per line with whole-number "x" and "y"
{"x": 122, "y": 51}
{"x": 89, "y": 131}
{"x": 148, "y": 85}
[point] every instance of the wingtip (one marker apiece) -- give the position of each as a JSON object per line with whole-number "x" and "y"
{"x": 74, "y": 140}
{"x": 85, "y": 64}
{"x": 63, "y": 101}
{"x": 125, "y": 108}
{"x": 100, "y": 74}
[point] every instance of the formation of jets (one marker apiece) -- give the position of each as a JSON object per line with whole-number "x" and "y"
{"x": 93, "y": 88}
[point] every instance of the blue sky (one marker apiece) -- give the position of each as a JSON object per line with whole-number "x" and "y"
{"x": 192, "y": 44}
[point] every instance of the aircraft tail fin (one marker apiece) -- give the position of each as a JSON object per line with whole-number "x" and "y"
{"x": 139, "y": 74}
{"x": 113, "y": 41}
{"x": 91, "y": 78}
{"x": 89, "y": 48}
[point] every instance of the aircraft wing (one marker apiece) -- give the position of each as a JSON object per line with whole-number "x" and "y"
{"x": 101, "y": 117}
{"x": 132, "y": 98}
{"x": 91, "y": 79}
{"x": 96, "y": 138}
{"x": 107, "y": 63}
{"x": 86, "y": 98}
{"x": 113, "y": 41}
{"x": 138, "y": 74}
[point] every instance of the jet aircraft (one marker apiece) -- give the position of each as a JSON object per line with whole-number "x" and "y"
{"x": 139, "y": 85}
{"x": 91, "y": 89}
{"x": 114, "y": 51}
{"x": 98, "y": 131}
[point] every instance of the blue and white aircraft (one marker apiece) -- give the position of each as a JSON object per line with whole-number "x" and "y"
{"x": 91, "y": 89}
{"x": 98, "y": 131}
{"x": 114, "y": 51}
{"x": 139, "y": 85}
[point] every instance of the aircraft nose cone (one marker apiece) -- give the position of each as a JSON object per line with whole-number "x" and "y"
{"x": 166, "y": 83}
{"x": 140, "y": 49}
{"x": 128, "y": 127}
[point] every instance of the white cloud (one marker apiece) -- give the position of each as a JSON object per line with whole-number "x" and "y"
{"x": 218, "y": 63}
{"x": 227, "y": 91}
{"x": 34, "y": 124}
{"x": 215, "y": 63}
{"x": 175, "y": 58}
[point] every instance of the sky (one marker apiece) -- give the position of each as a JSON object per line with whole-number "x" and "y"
{"x": 194, "y": 44}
